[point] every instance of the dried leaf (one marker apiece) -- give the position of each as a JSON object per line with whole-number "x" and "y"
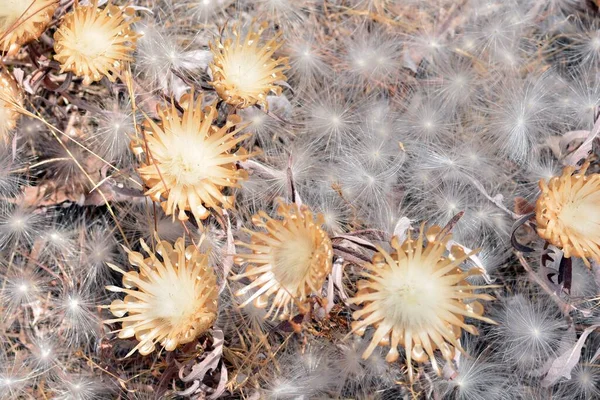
{"x": 199, "y": 371}
{"x": 563, "y": 365}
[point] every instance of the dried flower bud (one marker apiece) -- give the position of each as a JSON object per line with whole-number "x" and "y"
{"x": 244, "y": 70}
{"x": 93, "y": 43}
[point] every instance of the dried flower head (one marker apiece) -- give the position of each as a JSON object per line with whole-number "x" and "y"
{"x": 10, "y": 95}
{"x": 568, "y": 213}
{"x": 244, "y": 71}
{"x": 22, "y": 21}
{"x": 189, "y": 160}
{"x": 417, "y": 297}
{"x": 93, "y": 43}
{"x": 175, "y": 300}
{"x": 290, "y": 260}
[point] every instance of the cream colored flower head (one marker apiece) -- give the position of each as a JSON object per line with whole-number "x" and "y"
{"x": 170, "y": 301}
{"x": 189, "y": 161}
{"x": 244, "y": 70}
{"x": 22, "y": 21}
{"x": 290, "y": 258}
{"x": 11, "y": 99}
{"x": 417, "y": 298}
{"x": 568, "y": 213}
{"x": 94, "y": 43}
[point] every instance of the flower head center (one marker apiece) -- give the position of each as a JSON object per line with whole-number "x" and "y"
{"x": 93, "y": 42}
{"x": 292, "y": 260}
{"x": 173, "y": 300}
{"x": 411, "y": 295}
{"x": 189, "y": 161}
{"x": 244, "y": 70}
{"x": 582, "y": 215}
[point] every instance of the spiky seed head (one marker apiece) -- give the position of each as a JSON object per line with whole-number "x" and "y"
{"x": 94, "y": 43}
{"x": 189, "y": 161}
{"x": 243, "y": 69}
{"x": 568, "y": 213}
{"x": 170, "y": 301}
{"x": 22, "y": 21}
{"x": 289, "y": 261}
{"x": 417, "y": 297}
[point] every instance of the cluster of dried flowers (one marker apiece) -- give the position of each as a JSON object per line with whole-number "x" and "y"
{"x": 297, "y": 200}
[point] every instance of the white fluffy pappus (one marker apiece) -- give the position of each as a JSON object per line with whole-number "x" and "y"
{"x": 98, "y": 246}
{"x": 427, "y": 43}
{"x": 322, "y": 198}
{"x": 455, "y": 80}
{"x": 81, "y": 386}
{"x": 10, "y": 179}
{"x": 307, "y": 58}
{"x": 583, "y": 284}
{"x": 369, "y": 174}
{"x": 586, "y": 43}
{"x": 16, "y": 377}
{"x": 498, "y": 27}
{"x": 541, "y": 166}
{"x": 22, "y": 286}
{"x": 270, "y": 128}
{"x": 58, "y": 242}
{"x": 463, "y": 158}
{"x": 583, "y": 98}
{"x": 330, "y": 119}
{"x": 373, "y": 56}
{"x": 270, "y": 179}
{"x": 233, "y": 319}
{"x": 202, "y": 10}
{"x": 529, "y": 332}
{"x": 426, "y": 117}
{"x": 474, "y": 377}
{"x": 285, "y": 12}
{"x": 20, "y": 224}
{"x": 143, "y": 220}
{"x": 114, "y": 127}
{"x": 520, "y": 117}
{"x": 380, "y": 118}
{"x": 47, "y": 353}
{"x": 302, "y": 375}
{"x": 158, "y": 54}
{"x": 356, "y": 377}
{"x": 77, "y": 318}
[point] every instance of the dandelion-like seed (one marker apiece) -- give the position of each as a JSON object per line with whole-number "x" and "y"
{"x": 189, "y": 160}
{"x": 93, "y": 43}
{"x": 290, "y": 260}
{"x": 243, "y": 69}
{"x": 10, "y": 96}
{"x": 568, "y": 213}
{"x": 175, "y": 300}
{"x": 22, "y": 21}
{"x": 417, "y": 297}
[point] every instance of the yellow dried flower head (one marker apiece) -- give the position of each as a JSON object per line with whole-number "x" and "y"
{"x": 568, "y": 213}
{"x": 22, "y": 21}
{"x": 10, "y": 94}
{"x": 244, "y": 70}
{"x": 93, "y": 42}
{"x": 290, "y": 260}
{"x": 417, "y": 297}
{"x": 170, "y": 301}
{"x": 189, "y": 160}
